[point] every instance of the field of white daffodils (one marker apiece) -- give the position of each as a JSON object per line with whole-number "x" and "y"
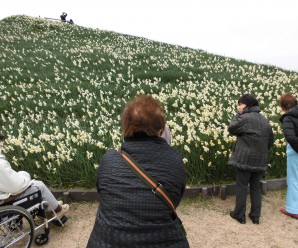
{"x": 63, "y": 88}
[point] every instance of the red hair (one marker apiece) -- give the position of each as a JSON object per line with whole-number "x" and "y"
{"x": 143, "y": 114}
{"x": 287, "y": 101}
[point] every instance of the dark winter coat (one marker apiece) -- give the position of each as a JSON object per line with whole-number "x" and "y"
{"x": 254, "y": 139}
{"x": 130, "y": 215}
{"x": 289, "y": 121}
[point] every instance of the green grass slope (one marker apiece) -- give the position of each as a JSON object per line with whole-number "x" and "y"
{"x": 63, "y": 87}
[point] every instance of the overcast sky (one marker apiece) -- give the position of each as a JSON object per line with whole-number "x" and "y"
{"x": 261, "y": 31}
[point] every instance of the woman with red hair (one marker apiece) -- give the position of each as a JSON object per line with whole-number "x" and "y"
{"x": 130, "y": 214}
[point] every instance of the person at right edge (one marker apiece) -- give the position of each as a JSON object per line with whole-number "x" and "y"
{"x": 250, "y": 156}
{"x": 289, "y": 121}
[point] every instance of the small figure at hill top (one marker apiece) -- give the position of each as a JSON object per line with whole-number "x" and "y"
{"x": 63, "y": 17}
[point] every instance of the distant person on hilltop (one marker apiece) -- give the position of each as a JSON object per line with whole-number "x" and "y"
{"x": 289, "y": 122}
{"x": 249, "y": 156}
{"x": 63, "y": 17}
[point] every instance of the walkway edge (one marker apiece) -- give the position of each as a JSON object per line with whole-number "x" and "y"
{"x": 89, "y": 195}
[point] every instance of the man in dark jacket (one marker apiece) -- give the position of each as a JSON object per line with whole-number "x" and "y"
{"x": 250, "y": 156}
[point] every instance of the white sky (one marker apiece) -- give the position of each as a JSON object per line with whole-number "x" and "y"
{"x": 261, "y": 31}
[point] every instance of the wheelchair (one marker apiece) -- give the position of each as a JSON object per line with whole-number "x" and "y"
{"x": 21, "y": 218}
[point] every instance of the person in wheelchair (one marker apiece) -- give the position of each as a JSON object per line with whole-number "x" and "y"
{"x": 16, "y": 185}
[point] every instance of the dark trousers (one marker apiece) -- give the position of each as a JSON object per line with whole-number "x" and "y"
{"x": 242, "y": 179}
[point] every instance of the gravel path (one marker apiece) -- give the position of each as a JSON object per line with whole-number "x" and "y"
{"x": 208, "y": 224}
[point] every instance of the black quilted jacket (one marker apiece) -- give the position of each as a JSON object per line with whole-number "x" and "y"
{"x": 129, "y": 214}
{"x": 254, "y": 139}
{"x": 290, "y": 126}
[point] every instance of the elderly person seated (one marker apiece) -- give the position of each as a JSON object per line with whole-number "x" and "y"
{"x": 15, "y": 185}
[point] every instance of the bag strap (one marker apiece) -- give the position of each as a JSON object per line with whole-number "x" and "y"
{"x": 156, "y": 188}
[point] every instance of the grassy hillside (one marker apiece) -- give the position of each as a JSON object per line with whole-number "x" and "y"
{"x": 63, "y": 87}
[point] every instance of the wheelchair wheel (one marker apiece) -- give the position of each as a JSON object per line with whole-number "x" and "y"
{"x": 16, "y": 227}
{"x": 41, "y": 239}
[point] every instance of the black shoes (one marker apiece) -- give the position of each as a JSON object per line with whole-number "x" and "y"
{"x": 254, "y": 220}
{"x": 241, "y": 220}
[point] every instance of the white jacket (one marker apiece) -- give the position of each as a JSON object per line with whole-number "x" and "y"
{"x": 11, "y": 182}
